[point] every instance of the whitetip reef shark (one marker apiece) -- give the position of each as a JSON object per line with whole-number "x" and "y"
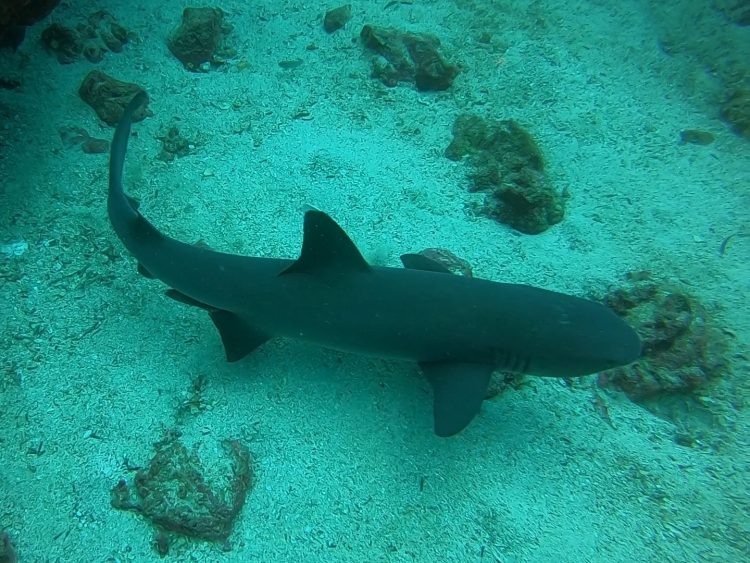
{"x": 458, "y": 329}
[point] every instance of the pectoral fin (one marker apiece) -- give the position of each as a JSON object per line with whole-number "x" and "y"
{"x": 459, "y": 390}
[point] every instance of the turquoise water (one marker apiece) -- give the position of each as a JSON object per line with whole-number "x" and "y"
{"x": 98, "y": 365}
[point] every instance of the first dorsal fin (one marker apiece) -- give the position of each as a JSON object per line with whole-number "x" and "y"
{"x": 326, "y": 248}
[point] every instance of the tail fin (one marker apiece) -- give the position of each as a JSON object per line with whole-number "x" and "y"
{"x": 128, "y": 223}
{"x": 120, "y": 144}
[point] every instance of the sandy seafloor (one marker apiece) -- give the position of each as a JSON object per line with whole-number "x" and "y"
{"x": 96, "y": 360}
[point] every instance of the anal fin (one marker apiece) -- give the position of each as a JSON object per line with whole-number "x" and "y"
{"x": 459, "y": 389}
{"x": 239, "y": 337}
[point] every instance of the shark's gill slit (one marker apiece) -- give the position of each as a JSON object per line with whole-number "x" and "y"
{"x": 526, "y": 365}
{"x": 510, "y": 361}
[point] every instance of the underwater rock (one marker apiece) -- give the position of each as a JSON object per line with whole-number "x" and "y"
{"x": 736, "y": 112}
{"x": 93, "y": 52}
{"x": 92, "y": 39}
{"x": 337, "y": 18}
{"x": 410, "y": 57}
{"x": 63, "y": 42}
{"x": 506, "y": 162}
{"x": 738, "y": 11}
{"x": 289, "y": 64}
{"x": 9, "y": 82}
{"x": 7, "y": 549}
{"x": 682, "y": 350}
{"x": 14, "y": 249}
{"x": 72, "y": 135}
{"x": 393, "y": 64}
{"x": 25, "y": 12}
{"x": 92, "y": 145}
{"x": 446, "y": 258}
{"x": 176, "y": 494}
{"x": 109, "y": 96}
{"x": 16, "y": 15}
{"x": 111, "y": 33}
{"x": 683, "y": 374}
{"x": 103, "y": 33}
{"x": 173, "y": 144}
{"x": 198, "y": 40}
{"x": 696, "y": 137}
{"x": 12, "y": 36}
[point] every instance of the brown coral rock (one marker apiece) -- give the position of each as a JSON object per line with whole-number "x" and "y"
{"x": 179, "y": 494}
{"x": 408, "y": 57}
{"x": 736, "y": 112}
{"x": 682, "y": 350}
{"x": 109, "y": 96}
{"x": 507, "y": 163}
{"x": 198, "y": 38}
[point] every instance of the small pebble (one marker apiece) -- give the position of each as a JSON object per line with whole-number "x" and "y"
{"x": 14, "y": 249}
{"x": 95, "y": 146}
{"x": 696, "y": 137}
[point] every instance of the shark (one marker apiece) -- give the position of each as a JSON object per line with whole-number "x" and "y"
{"x": 459, "y": 330}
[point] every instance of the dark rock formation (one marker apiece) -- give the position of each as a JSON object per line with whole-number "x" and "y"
{"x": 16, "y": 15}
{"x": 337, "y": 18}
{"x": 198, "y": 41}
{"x": 109, "y": 96}
{"x": 180, "y": 494}
{"x": 411, "y": 57}
{"x": 507, "y": 164}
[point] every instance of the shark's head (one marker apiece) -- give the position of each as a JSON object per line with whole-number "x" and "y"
{"x": 580, "y": 337}
{"x": 612, "y": 345}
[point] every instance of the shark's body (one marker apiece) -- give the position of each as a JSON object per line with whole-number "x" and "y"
{"x": 458, "y": 329}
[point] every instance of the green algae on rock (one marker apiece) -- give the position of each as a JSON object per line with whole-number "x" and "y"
{"x": 507, "y": 163}
{"x": 178, "y": 493}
